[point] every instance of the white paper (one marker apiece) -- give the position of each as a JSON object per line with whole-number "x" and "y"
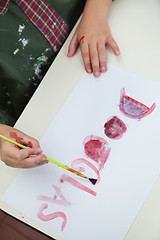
{"x": 127, "y": 177}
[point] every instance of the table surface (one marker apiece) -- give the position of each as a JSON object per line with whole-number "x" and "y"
{"x": 135, "y": 26}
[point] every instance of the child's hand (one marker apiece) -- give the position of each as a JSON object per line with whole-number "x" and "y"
{"x": 92, "y": 34}
{"x": 14, "y": 156}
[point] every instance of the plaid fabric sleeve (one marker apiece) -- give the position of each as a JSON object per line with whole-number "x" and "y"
{"x": 3, "y": 6}
{"x": 51, "y": 25}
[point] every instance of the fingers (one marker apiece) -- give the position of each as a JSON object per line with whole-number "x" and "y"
{"x": 94, "y": 57}
{"x": 30, "y": 142}
{"x": 30, "y": 161}
{"x": 93, "y": 54}
{"x": 73, "y": 46}
{"x": 112, "y": 43}
{"x": 102, "y": 57}
{"x": 22, "y": 158}
{"x": 86, "y": 56}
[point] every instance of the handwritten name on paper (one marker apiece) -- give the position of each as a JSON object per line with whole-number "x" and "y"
{"x": 98, "y": 150}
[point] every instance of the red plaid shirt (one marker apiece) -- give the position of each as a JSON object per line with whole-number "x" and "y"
{"x": 3, "y": 6}
{"x": 51, "y": 25}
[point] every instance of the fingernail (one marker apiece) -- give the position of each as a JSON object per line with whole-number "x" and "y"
{"x": 117, "y": 52}
{"x": 97, "y": 74}
{"x": 38, "y": 151}
{"x": 103, "y": 69}
{"x": 88, "y": 70}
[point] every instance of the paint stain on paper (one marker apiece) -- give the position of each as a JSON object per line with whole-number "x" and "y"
{"x": 132, "y": 108}
{"x": 57, "y": 199}
{"x": 114, "y": 128}
{"x": 75, "y": 183}
{"x": 97, "y": 149}
{"x": 51, "y": 216}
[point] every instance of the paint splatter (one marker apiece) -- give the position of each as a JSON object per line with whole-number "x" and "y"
{"x": 16, "y": 51}
{"x": 132, "y": 108}
{"x": 114, "y": 128}
{"x": 21, "y": 28}
{"x": 75, "y": 183}
{"x": 97, "y": 149}
{"x": 23, "y": 42}
{"x": 37, "y": 66}
{"x": 51, "y": 216}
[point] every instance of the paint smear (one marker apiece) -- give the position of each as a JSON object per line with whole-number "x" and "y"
{"x": 40, "y": 61}
{"x": 16, "y": 51}
{"x": 51, "y": 216}
{"x": 17, "y": 139}
{"x": 80, "y": 169}
{"x": 61, "y": 201}
{"x": 97, "y": 149}
{"x": 20, "y": 140}
{"x": 114, "y": 128}
{"x": 132, "y": 108}
{"x": 24, "y": 42}
{"x": 75, "y": 183}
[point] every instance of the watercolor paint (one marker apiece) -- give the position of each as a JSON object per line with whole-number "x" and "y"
{"x": 114, "y": 128}
{"x": 97, "y": 149}
{"x": 132, "y": 108}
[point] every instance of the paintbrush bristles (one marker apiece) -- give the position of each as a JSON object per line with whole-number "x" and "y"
{"x": 93, "y": 181}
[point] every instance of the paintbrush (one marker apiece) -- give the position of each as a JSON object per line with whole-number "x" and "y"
{"x": 92, "y": 180}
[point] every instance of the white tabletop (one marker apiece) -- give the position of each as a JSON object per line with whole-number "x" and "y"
{"x": 136, "y": 27}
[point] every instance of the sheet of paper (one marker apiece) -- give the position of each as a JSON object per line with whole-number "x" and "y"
{"x": 124, "y": 155}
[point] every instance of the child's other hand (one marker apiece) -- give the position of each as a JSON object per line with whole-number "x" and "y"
{"x": 16, "y": 157}
{"x": 92, "y": 34}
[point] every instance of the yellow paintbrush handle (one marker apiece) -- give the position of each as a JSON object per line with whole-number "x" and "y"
{"x": 9, "y": 140}
{"x": 66, "y": 167}
{"x": 57, "y": 163}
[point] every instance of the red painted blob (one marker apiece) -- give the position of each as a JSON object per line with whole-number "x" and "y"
{"x": 132, "y": 108}
{"x": 114, "y": 128}
{"x": 20, "y": 140}
{"x": 97, "y": 149}
{"x": 30, "y": 144}
{"x": 14, "y": 136}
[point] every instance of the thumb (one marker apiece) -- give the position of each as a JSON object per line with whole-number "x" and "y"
{"x": 73, "y": 46}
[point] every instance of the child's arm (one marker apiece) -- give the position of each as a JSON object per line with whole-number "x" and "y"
{"x": 13, "y": 156}
{"x": 92, "y": 34}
